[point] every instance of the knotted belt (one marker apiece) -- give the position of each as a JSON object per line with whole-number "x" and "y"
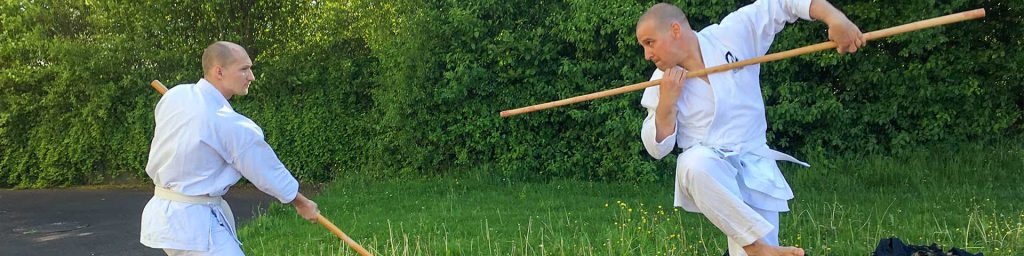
{"x": 219, "y": 206}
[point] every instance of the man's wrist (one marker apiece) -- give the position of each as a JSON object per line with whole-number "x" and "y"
{"x": 299, "y": 200}
{"x": 666, "y": 107}
{"x": 836, "y": 19}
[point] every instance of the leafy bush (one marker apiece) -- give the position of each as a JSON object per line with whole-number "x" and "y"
{"x": 413, "y": 88}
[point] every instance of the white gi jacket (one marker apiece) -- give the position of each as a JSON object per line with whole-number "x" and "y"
{"x": 201, "y": 147}
{"x": 729, "y": 114}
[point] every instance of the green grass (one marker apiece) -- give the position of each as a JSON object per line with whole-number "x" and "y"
{"x": 968, "y": 196}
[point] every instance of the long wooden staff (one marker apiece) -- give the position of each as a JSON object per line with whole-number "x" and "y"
{"x": 952, "y": 18}
{"x": 337, "y": 232}
{"x": 156, "y": 84}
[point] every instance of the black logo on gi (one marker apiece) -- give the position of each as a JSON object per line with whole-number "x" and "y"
{"x": 729, "y": 58}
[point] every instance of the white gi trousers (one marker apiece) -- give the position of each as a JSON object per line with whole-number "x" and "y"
{"x": 223, "y": 243}
{"x": 712, "y": 182}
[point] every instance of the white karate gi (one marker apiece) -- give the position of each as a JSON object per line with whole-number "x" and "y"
{"x": 726, "y": 171}
{"x": 200, "y": 148}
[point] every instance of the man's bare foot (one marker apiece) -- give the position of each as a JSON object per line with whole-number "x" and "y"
{"x": 760, "y": 248}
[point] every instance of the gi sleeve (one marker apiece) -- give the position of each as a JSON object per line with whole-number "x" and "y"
{"x": 758, "y": 22}
{"x": 259, "y": 164}
{"x": 649, "y": 130}
{"x": 246, "y": 150}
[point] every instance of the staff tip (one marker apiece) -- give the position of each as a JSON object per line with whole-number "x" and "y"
{"x": 977, "y": 13}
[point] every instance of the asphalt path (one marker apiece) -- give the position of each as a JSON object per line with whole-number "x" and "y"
{"x": 92, "y": 221}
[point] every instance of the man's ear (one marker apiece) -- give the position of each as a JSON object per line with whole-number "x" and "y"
{"x": 677, "y": 29}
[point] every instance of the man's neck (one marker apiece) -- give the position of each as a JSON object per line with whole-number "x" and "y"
{"x": 696, "y": 59}
{"x": 220, "y": 88}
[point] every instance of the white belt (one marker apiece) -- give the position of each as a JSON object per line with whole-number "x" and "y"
{"x": 215, "y": 202}
{"x": 769, "y": 153}
{"x": 759, "y": 148}
{"x": 183, "y": 198}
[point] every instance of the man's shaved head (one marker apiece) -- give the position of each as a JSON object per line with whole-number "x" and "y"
{"x": 228, "y": 68}
{"x": 666, "y": 37}
{"x": 221, "y": 53}
{"x": 663, "y": 15}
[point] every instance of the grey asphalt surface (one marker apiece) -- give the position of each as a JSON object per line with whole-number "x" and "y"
{"x": 87, "y": 221}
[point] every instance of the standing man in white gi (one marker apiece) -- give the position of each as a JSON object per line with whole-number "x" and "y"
{"x": 200, "y": 148}
{"x": 726, "y": 170}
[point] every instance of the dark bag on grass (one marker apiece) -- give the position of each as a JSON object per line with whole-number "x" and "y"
{"x": 894, "y": 247}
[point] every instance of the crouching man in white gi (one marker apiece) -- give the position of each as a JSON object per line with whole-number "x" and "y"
{"x": 726, "y": 170}
{"x": 200, "y": 148}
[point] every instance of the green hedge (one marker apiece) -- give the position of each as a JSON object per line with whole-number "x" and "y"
{"x": 412, "y": 88}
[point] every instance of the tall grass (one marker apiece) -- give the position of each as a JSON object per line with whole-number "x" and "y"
{"x": 963, "y": 196}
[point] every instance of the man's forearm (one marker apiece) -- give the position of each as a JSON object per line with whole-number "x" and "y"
{"x": 665, "y": 120}
{"x": 824, "y": 11}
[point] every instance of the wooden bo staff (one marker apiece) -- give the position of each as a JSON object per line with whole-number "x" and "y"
{"x": 952, "y": 18}
{"x": 337, "y": 232}
{"x": 156, "y": 84}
